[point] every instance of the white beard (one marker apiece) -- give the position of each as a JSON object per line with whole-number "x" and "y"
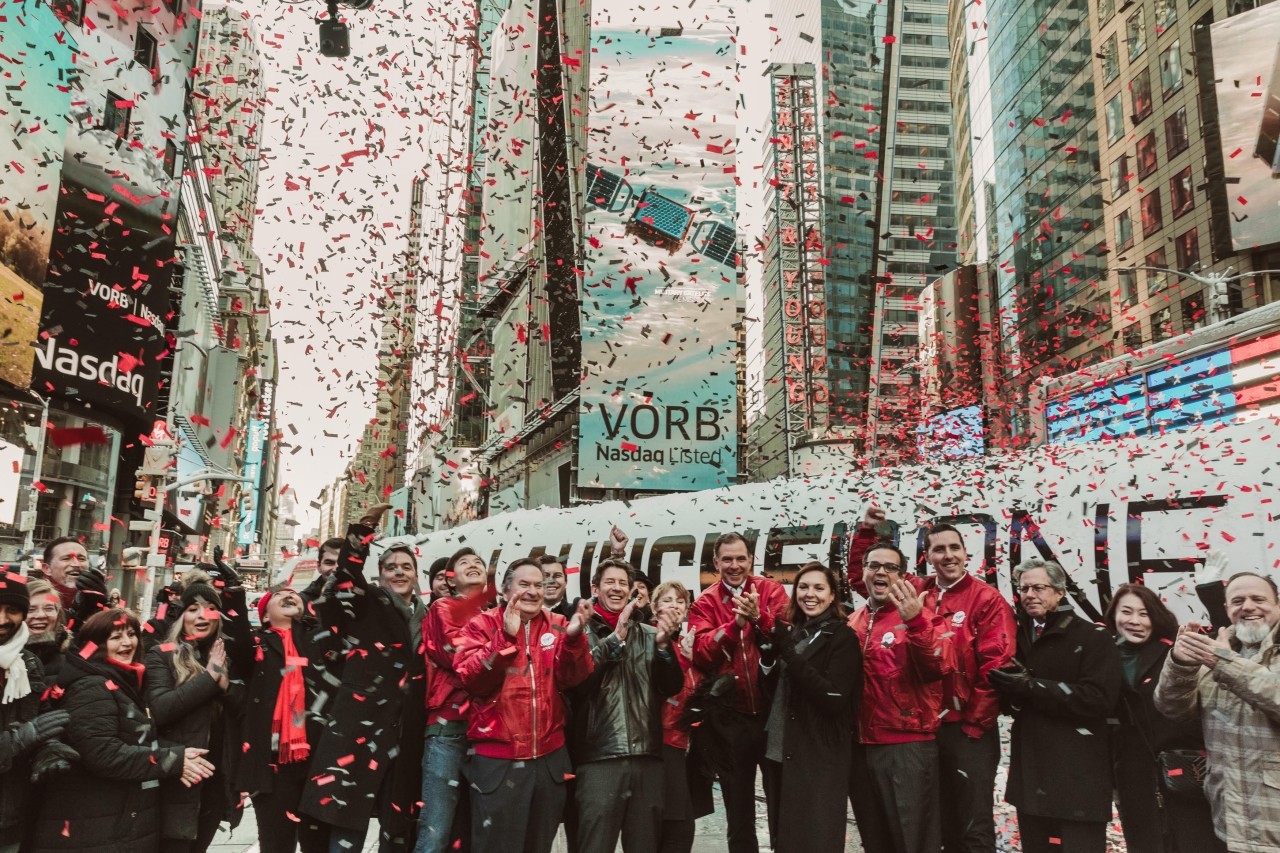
{"x": 1252, "y": 633}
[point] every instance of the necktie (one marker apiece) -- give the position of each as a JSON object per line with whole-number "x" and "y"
{"x": 1039, "y": 631}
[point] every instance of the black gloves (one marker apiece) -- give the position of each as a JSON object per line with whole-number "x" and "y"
{"x": 222, "y": 571}
{"x": 90, "y": 598}
{"x": 43, "y": 728}
{"x": 1011, "y": 680}
{"x": 54, "y": 759}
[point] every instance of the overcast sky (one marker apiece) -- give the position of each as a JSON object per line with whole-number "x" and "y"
{"x": 342, "y": 143}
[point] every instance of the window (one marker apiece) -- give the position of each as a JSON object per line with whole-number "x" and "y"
{"x": 1171, "y": 70}
{"x": 1115, "y": 119}
{"x": 1181, "y": 194}
{"x": 1133, "y": 336}
{"x": 1166, "y": 15}
{"x": 1110, "y": 60}
{"x": 1152, "y": 220}
{"x": 115, "y": 116}
{"x": 1175, "y": 133}
{"x": 170, "y": 158}
{"x": 144, "y": 49}
{"x": 1147, "y": 155}
{"x": 1135, "y": 30}
{"x": 1157, "y": 281}
{"x": 1187, "y": 246}
{"x": 1128, "y": 288}
{"x": 1124, "y": 231}
{"x": 1106, "y": 10}
{"x": 1140, "y": 91}
{"x": 1193, "y": 315}
{"x": 1119, "y": 176}
{"x": 1161, "y": 325}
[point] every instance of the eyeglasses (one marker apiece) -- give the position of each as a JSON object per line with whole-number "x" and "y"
{"x": 1037, "y": 588}
{"x": 891, "y": 568}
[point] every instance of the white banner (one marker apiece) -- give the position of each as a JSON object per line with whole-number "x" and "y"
{"x": 1110, "y": 512}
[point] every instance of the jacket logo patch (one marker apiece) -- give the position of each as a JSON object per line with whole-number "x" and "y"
{"x": 887, "y": 639}
{"x": 957, "y": 618}
{"x": 547, "y": 640}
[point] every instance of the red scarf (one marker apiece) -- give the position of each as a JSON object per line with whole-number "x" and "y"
{"x": 611, "y": 619}
{"x": 287, "y": 724}
{"x": 133, "y": 670}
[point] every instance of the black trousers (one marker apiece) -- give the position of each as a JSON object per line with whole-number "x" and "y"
{"x": 620, "y": 798}
{"x": 1050, "y": 835}
{"x": 967, "y": 784}
{"x": 277, "y": 831}
{"x": 747, "y": 741}
{"x": 516, "y": 806}
{"x": 893, "y": 789}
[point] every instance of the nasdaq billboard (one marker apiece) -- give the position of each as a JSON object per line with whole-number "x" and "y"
{"x": 659, "y": 405}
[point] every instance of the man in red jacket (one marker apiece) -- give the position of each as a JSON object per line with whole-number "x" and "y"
{"x": 906, "y": 655}
{"x": 726, "y": 620}
{"x": 447, "y": 701}
{"x": 983, "y": 637}
{"x": 514, "y": 661}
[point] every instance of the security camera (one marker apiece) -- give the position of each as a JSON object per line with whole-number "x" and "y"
{"x": 335, "y": 38}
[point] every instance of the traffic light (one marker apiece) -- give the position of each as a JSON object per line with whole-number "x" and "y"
{"x": 143, "y": 491}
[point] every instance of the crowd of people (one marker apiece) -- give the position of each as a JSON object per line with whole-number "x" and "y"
{"x": 486, "y": 713}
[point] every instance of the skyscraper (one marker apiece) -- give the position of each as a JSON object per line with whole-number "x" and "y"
{"x": 888, "y": 208}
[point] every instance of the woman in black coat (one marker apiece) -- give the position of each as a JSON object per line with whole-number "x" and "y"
{"x": 368, "y": 763}
{"x": 47, "y": 622}
{"x": 279, "y": 694}
{"x": 195, "y": 701}
{"x": 813, "y": 669}
{"x": 109, "y": 802}
{"x": 1155, "y": 820}
{"x": 1062, "y": 691}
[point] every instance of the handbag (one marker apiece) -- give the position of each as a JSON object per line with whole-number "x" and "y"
{"x": 1182, "y": 771}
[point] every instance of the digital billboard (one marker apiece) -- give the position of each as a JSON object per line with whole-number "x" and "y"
{"x": 1237, "y": 381}
{"x": 658, "y": 405}
{"x": 955, "y": 434}
{"x": 112, "y": 255}
{"x": 254, "y": 454}
{"x": 1246, "y": 70}
{"x": 35, "y": 101}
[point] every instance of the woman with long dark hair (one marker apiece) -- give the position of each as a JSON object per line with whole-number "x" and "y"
{"x": 109, "y": 801}
{"x": 813, "y": 668}
{"x": 194, "y": 696}
{"x": 1155, "y": 819}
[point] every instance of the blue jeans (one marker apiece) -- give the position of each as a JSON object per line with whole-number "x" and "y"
{"x": 442, "y": 760}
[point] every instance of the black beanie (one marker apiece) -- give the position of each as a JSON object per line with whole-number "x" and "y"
{"x": 201, "y": 590}
{"x": 13, "y": 590}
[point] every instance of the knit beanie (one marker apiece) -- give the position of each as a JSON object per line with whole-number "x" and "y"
{"x": 13, "y": 590}
{"x": 201, "y": 590}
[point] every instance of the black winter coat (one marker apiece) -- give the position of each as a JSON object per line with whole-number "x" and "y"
{"x": 378, "y": 716}
{"x": 1060, "y": 765}
{"x": 257, "y": 771}
{"x": 617, "y": 711}
{"x": 824, "y": 687}
{"x": 1142, "y": 735}
{"x": 110, "y": 802}
{"x": 15, "y": 766}
{"x": 197, "y": 713}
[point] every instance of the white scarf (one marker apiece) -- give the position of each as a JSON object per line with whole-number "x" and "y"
{"x": 16, "y": 683}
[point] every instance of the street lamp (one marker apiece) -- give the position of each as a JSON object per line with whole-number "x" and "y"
{"x": 1216, "y": 282}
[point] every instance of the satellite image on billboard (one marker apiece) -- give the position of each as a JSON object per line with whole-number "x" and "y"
{"x": 660, "y": 293}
